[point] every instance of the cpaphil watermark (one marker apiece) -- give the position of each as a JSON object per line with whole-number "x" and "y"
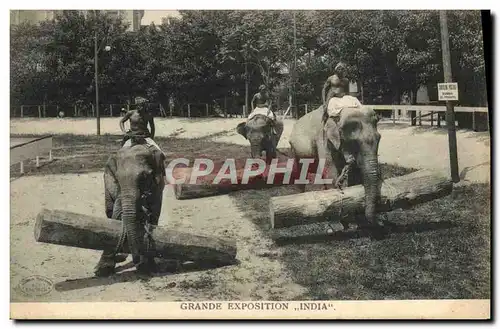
{"x": 35, "y": 285}
{"x": 227, "y": 171}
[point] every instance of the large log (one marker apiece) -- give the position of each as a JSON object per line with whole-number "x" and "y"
{"x": 330, "y": 205}
{"x": 89, "y": 232}
{"x": 205, "y": 185}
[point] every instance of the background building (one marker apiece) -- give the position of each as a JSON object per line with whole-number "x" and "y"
{"x": 33, "y": 16}
{"x": 133, "y": 17}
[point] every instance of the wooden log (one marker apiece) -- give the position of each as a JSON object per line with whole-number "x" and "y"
{"x": 331, "y": 205}
{"x": 89, "y": 232}
{"x": 206, "y": 186}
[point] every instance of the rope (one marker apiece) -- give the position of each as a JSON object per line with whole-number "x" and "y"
{"x": 345, "y": 172}
{"x": 340, "y": 180}
{"x": 148, "y": 237}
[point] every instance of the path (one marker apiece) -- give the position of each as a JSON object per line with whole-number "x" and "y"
{"x": 418, "y": 147}
{"x": 257, "y": 277}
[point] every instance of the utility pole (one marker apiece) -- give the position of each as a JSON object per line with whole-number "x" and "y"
{"x": 96, "y": 51}
{"x": 294, "y": 75}
{"x": 246, "y": 87}
{"x": 450, "y": 115}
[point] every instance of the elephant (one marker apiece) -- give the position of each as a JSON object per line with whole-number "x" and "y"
{"x": 134, "y": 180}
{"x": 263, "y": 133}
{"x": 350, "y": 136}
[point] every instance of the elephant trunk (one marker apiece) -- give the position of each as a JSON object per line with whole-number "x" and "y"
{"x": 255, "y": 149}
{"x": 130, "y": 203}
{"x": 372, "y": 185}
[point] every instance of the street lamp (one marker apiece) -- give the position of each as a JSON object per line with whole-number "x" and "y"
{"x": 96, "y": 78}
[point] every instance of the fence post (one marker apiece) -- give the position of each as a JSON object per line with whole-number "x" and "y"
{"x": 74, "y": 107}
{"x": 22, "y": 111}
{"x": 39, "y": 112}
{"x": 189, "y": 110}
{"x": 394, "y": 116}
{"x": 432, "y": 118}
{"x": 207, "y": 108}
{"x": 306, "y": 109}
{"x": 170, "y": 109}
{"x": 225, "y": 107}
{"x": 44, "y": 110}
{"x": 110, "y": 110}
{"x": 474, "y": 120}
{"x": 419, "y": 118}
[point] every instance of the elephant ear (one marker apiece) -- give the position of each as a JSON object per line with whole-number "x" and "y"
{"x": 332, "y": 133}
{"x": 242, "y": 129}
{"x": 111, "y": 166}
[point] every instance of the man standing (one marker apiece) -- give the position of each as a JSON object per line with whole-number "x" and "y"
{"x": 139, "y": 120}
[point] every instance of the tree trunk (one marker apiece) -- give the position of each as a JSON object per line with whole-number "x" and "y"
{"x": 89, "y": 232}
{"x": 319, "y": 206}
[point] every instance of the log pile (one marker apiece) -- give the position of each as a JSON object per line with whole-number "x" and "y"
{"x": 89, "y": 232}
{"x": 330, "y": 205}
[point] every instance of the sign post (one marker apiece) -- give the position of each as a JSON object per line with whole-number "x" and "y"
{"x": 448, "y": 92}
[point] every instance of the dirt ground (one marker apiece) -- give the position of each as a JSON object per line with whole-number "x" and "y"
{"x": 401, "y": 144}
{"x": 265, "y": 271}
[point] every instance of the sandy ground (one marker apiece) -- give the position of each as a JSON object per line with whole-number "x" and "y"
{"x": 257, "y": 277}
{"x": 417, "y": 147}
{"x": 215, "y": 216}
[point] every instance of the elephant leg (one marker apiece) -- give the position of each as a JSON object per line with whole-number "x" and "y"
{"x": 108, "y": 260}
{"x": 297, "y": 170}
{"x": 355, "y": 177}
{"x": 278, "y": 128}
{"x": 147, "y": 264}
{"x": 330, "y": 171}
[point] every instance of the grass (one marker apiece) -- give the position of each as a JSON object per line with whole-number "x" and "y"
{"x": 77, "y": 154}
{"x": 441, "y": 250}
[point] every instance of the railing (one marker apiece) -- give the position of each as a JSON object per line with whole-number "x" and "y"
{"x": 425, "y": 111}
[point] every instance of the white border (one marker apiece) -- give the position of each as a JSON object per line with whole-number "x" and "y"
{"x": 190, "y": 4}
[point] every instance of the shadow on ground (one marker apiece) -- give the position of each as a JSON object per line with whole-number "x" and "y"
{"x": 436, "y": 250}
{"x": 127, "y": 273}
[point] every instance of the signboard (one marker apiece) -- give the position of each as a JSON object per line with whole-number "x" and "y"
{"x": 448, "y": 91}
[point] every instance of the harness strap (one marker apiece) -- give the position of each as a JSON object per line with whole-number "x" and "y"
{"x": 345, "y": 172}
{"x": 338, "y": 183}
{"x": 148, "y": 236}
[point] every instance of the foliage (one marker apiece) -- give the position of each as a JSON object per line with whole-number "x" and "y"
{"x": 201, "y": 56}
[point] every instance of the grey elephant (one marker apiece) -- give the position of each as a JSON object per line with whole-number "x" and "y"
{"x": 263, "y": 133}
{"x": 134, "y": 180}
{"x": 351, "y": 136}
